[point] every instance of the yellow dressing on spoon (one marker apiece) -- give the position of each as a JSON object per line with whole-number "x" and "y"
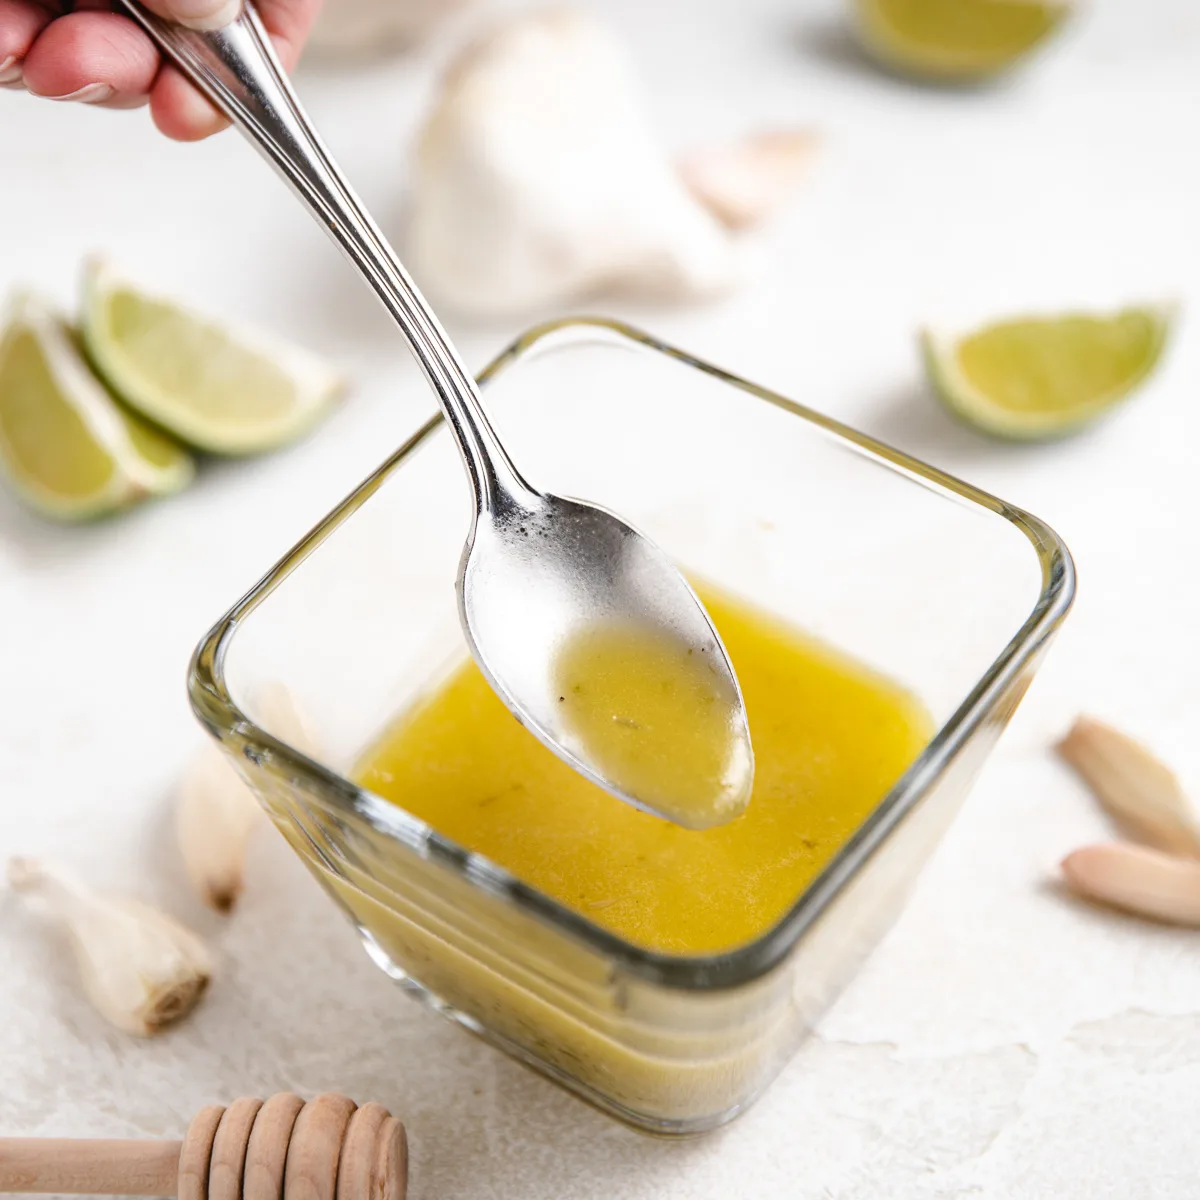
{"x": 654, "y": 715}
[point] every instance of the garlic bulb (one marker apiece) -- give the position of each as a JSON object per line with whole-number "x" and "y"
{"x": 142, "y": 970}
{"x": 377, "y": 26}
{"x": 217, "y": 812}
{"x": 537, "y": 180}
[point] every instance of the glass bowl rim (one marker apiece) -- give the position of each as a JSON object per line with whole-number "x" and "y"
{"x": 214, "y": 707}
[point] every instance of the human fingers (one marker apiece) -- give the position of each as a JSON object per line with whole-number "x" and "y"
{"x": 178, "y": 109}
{"x": 289, "y": 22}
{"x": 196, "y": 14}
{"x": 182, "y": 113}
{"x": 93, "y": 57}
{"x": 20, "y": 23}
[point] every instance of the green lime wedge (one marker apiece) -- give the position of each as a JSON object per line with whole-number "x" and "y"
{"x": 955, "y": 41}
{"x": 221, "y": 391}
{"x": 66, "y": 446}
{"x": 1037, "y": 378}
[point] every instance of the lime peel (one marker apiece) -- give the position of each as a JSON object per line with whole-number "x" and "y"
{"x": 1038, "y": 378}
{"x": 220, "y": 390}
{"x": 68, "y": 449}
{"x": 955, "y": 41}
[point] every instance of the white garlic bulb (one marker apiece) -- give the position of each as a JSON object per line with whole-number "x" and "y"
{"x": 142, "y": 970}
{"x": 537, "y": 180}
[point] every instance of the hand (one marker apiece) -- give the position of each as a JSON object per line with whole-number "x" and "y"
{"x": 88, "y": 52}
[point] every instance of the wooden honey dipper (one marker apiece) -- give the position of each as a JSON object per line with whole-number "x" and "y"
{"x": 280, "y": 1149}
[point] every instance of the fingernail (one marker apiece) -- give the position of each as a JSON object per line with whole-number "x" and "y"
{"x": 91, "y": 93}
{"x": 10, "y": 70}
{"x": 204, "y": 14}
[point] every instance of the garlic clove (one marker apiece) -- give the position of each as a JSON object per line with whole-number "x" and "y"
{"x": 744, "y": 183}
{"x": 217, "y": 811}
{"x": 142, "y": 970}
{"x": 536, "y": 180}
{"x": 1138, "y": 880}
{"x": 1133, "y": 785}
{"x": 213, "y": 821}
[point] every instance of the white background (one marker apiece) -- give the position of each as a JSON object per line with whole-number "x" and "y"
{"x": 1004, "y": 1041}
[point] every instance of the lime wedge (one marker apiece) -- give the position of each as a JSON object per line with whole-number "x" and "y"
{"x": 1037, "y": 378}
{"x": 218, "y": 390}
{"x": 955, "y": 40}
{"x": 66, "y": 446}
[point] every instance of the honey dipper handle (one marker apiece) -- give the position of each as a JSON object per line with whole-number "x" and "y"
{"x": 98, "y": 1168}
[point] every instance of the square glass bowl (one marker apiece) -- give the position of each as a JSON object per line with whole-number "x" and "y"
{"x": 937, "y": 585}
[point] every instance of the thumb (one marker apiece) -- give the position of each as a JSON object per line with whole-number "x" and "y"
{"x": 196, "y": 14}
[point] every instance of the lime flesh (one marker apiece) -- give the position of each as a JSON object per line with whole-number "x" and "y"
{"x": 66, "y": 446}
{"x": 1042, "y": 377}
{"x": 45, "y": 437}
{"x": 217, "y": 390}
{"x": 955, "y": 40}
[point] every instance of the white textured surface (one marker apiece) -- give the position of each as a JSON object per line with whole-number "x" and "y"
{"x": 1004, "y": 1042}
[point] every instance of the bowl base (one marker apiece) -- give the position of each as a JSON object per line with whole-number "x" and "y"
{"x": 655, "y": 1126}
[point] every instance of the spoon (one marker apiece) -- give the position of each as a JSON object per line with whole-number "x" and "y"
{"x": 539, "y": 572}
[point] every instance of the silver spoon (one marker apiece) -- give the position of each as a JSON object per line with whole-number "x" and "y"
{"x": 538, "y": 571}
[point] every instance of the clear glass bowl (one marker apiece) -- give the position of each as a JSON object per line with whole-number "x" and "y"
{"x": 939, "y": 586}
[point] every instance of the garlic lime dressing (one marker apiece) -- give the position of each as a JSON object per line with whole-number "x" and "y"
{"x": 831, "y": 737}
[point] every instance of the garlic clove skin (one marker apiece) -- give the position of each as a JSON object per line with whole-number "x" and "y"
{"x": 217, "y": 812}
{"x": 1138, "y": 880}
{"x": 142, "y": 970}
{"x": 744, "y": 183}
{"x": 1135, "y": 786}
{"x": 536, "y": 181}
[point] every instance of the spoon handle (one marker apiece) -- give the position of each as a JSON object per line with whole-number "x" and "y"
{"x": 237, "y": 69}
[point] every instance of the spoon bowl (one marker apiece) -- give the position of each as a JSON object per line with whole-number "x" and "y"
{"x": 553, "y": 592}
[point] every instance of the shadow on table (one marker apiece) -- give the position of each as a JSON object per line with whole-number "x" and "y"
{"x": 831, "y": 41}
{"x": 912, "y": 420}
{"x": 34, "y": 539}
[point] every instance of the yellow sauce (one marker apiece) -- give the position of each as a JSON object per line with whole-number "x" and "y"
{"x": 830, "y": 738}
{"x": 659, "y": 719}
